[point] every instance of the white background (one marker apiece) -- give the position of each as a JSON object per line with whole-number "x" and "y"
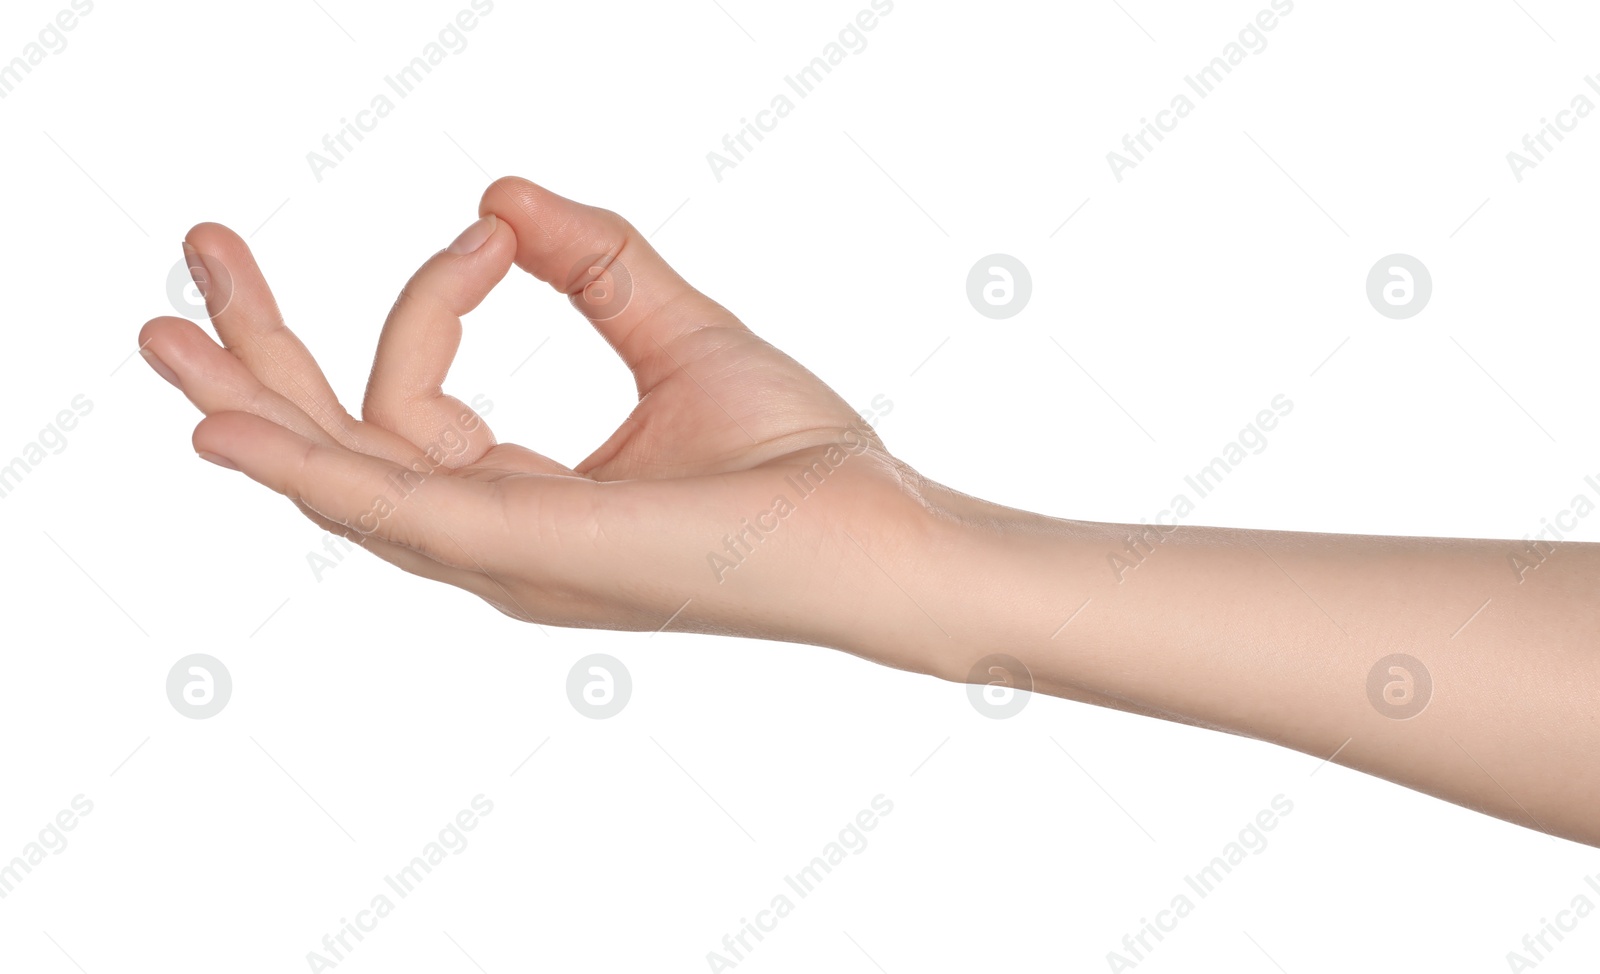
{"x": 370, "y": 706}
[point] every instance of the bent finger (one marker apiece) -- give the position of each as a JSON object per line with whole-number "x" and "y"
{"x": 405, "y": 393}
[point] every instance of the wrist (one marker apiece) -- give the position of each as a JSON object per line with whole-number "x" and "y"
{"x": 941, "y": 580}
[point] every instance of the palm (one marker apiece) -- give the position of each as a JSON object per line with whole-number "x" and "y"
{"x": 731, "y": 402}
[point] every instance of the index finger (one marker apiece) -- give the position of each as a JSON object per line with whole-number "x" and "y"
{"x": 405, "y": 393}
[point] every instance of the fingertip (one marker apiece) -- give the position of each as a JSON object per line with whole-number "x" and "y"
{"x": 230, "y": 434}
{"x": 486, "y": 265}
{"x": 508, "y": 193}
{"x": 488, "y": 235}
{"x": 214, "y": 433}
{"x": 211, "y": 238}
{"x": 159, "y": 329}
{"x": 211, "y": 441}
{"x": 217, "y": 258}
{"x": 159, "y": 340}
{"x": 461, "y": 275}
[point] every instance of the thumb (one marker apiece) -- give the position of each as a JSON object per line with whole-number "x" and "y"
{"x": 629, "y": 293}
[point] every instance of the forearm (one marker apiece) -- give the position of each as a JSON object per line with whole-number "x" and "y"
{"x": 1274, "y": 635}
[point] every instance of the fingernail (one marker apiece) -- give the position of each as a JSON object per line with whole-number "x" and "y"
{"x": 197, "y": 267}
{"x": 219, "y": 461}
{"x": 160, "y": 367}
{"x": 474, "y": 236}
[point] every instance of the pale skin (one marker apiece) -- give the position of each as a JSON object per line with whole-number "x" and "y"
{"x": 1267, "y": 634}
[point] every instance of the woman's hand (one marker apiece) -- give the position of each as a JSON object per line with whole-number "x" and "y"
{"x": 730, "y": 499}
{"x": 743, "y": 496}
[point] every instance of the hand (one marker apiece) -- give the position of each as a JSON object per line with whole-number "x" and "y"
{"x": 698, "y": 497}
{"x": 743, "y": 496}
